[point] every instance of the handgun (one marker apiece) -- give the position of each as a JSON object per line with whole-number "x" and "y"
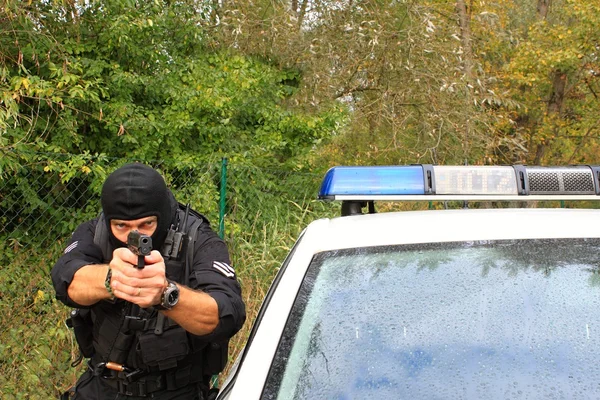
{"x": 140, "y": 245}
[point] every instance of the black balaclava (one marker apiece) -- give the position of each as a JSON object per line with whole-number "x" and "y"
{"x": 136, "y": 191}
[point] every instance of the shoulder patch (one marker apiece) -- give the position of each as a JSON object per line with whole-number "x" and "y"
{"x": 224, "y": 269}
{"x": 71, "y": 246}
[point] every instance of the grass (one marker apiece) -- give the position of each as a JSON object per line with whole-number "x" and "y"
{"x": 258, "y": 253}
{"x": 36, "y": 347}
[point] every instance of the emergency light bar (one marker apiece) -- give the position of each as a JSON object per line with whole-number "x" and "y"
{"x": 474, "y": 183}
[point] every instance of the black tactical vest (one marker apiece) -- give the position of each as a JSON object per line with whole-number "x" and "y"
{"x": 145, "y": 339}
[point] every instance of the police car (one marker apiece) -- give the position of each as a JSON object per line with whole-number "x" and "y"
{"x": 467, "y": 303}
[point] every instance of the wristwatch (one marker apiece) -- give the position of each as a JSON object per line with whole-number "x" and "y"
{"x": 170, "y": 297}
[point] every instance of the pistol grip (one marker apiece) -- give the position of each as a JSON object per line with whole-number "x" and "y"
{"x": 141, "y": 262}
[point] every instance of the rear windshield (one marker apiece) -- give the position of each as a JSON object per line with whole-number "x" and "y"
{"x": 493, "y": 320}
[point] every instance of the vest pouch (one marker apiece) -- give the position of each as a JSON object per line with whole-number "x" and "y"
{"x": 215, "y": 357}
{"x": 80, "y": 321}
{"x": 163, "y": 351}
{"x": 174, "y": 270}
{"x": 110, "y": 343}
{"x": 121, "y": 348}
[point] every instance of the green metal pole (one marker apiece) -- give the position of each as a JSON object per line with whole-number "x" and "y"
{"x": 223, "y": 192}
{"x": 222, "y": 197}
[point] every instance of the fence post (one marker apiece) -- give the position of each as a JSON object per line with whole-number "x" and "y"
{"x": 222, "y": 197}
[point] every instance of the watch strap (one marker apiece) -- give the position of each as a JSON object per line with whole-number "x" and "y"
{"x": 107, "y": 283}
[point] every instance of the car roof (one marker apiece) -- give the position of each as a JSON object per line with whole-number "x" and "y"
{"x": 395, "y": 228}
{"x": 429, "y": 226}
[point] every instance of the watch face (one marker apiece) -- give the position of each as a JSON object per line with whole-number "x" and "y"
{"x": 173, "y": 297}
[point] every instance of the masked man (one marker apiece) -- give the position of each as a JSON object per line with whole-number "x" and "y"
{"x": 154, "y": 325}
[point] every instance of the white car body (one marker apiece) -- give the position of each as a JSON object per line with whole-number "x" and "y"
{"x": 247, "y": 379}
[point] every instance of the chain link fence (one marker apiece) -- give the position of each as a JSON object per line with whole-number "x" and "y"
{"x": 41, "y": 201}
{"x": 43, "y": 197}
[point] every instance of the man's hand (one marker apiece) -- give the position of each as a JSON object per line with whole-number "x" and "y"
{"x": 197, "y": 312}
{"x": 143, "y": 287}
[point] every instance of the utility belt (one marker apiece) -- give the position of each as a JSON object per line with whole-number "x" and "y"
{"x": 142, "y": 383}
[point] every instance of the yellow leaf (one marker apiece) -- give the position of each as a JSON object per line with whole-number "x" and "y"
{"x": 39, "y": 296}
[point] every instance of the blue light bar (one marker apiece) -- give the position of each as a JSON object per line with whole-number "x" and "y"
{"x": 373, "y": 181}
{"x": 474, "y": 183}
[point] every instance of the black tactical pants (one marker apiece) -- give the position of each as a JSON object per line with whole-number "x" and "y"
{"x": 90, "y": 387}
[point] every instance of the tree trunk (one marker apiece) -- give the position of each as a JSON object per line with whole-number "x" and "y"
{"x": 542, "y": 8}
{"x": 215, "y": 12}
{"x": 301, "y": 12}
{"x": 559, "y": 84}
{"x": 555, "y": 105}
{"x": 464, "y": 20}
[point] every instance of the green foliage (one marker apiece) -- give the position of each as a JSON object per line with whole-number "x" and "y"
{"x": 137, "y": 79}
{"x": 549, "y": 66}
{"x": 36, "y": 347}
{"x": 44, "y": 198}
{"x": 126, "y": 80}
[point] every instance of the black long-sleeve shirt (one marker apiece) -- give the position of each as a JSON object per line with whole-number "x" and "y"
{"x": 211, "y": 272}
